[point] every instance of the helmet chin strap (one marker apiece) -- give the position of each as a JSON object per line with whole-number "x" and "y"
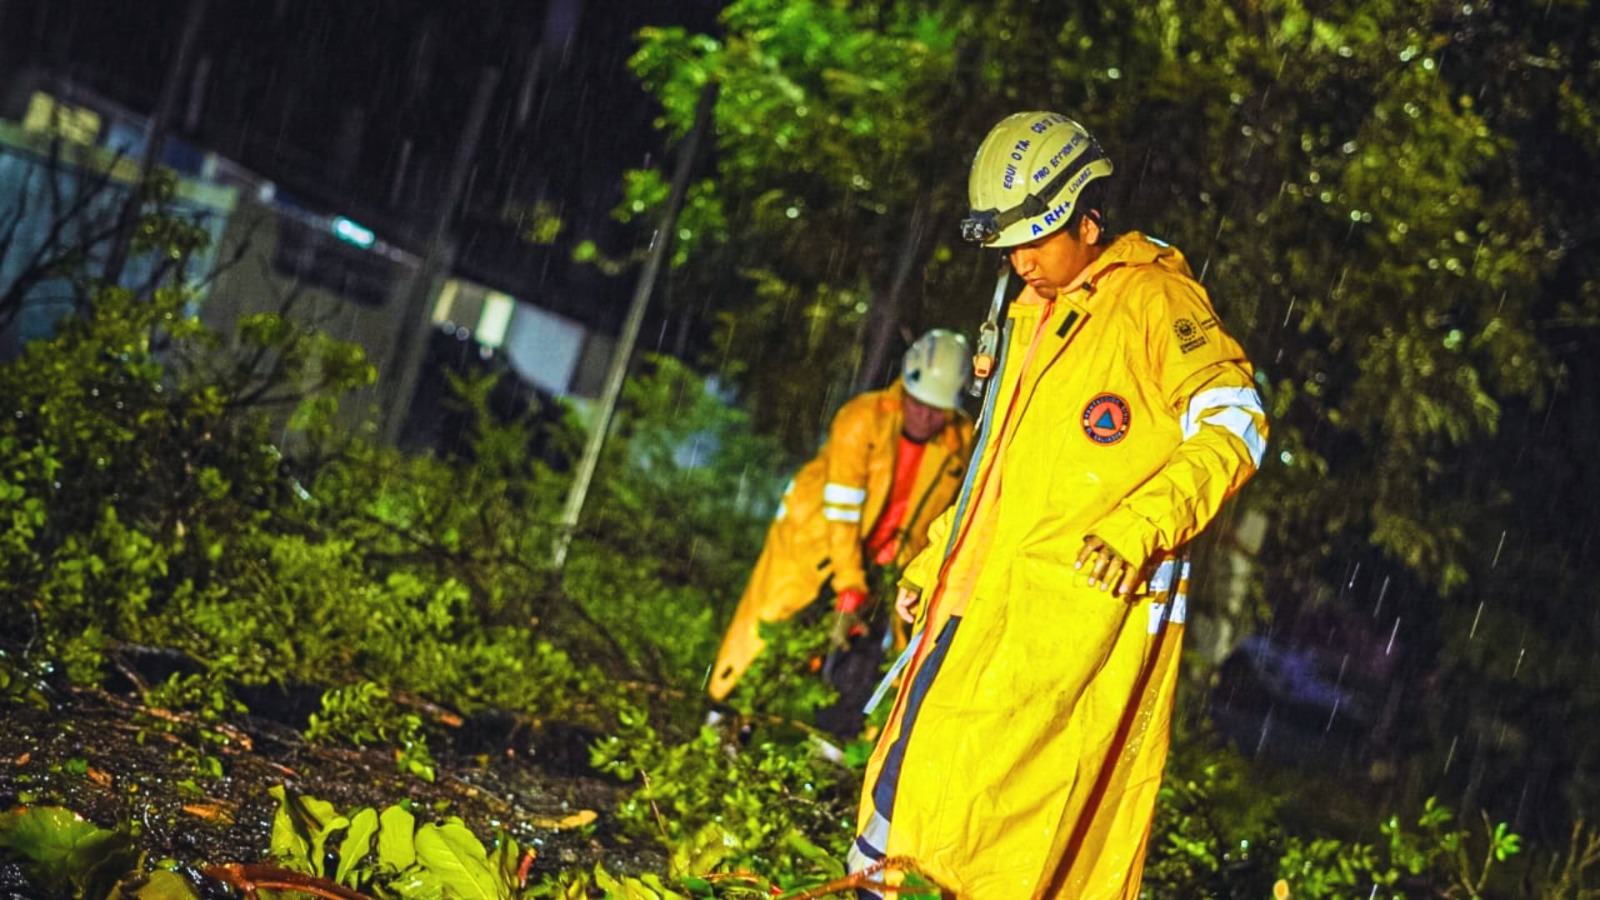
{"x": 989, "y": 333}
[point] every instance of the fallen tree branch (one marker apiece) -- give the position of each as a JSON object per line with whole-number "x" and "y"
{"x": 866, "y": 879}
{"x": 233, "y": 735}
{"x": 247, "y": 879}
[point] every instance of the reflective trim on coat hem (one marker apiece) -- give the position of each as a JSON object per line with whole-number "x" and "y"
{"x": 1161, "y": 580}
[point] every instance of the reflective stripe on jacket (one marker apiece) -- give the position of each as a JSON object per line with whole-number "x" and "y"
{"x": 1025, "y": 749}
{"x": 829, "y": 510}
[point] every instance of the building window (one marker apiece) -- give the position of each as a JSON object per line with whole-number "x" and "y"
{"x": 495, "y": 319}
{"x": 47, "y": 115}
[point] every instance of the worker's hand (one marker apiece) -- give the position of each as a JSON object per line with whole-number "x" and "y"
{"x": 847, "y": 626}
{"x": 906, "y": 603}
{"x": 1106, "y": 568}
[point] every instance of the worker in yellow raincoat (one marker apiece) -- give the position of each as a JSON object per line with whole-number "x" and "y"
{"x": 1024, "y": 751}
{"x": 893, "y": 460}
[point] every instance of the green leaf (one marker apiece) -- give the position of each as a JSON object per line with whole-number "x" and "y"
{"x": 418, "y": 883}
{"x": 830, "y": 863}
{"x": 160, "y": 885}
{"x": 60, "y": 850}
{"x": 507, "y": 858}
{"x": 301, "y": 828}
{"x": 458, "y": 858}
{"x": 357, "y": 843}
{"x": 397, "y": 845}
{"x": 288, "y": 845}
{"x": 630, "y": 888}
{"x": 701, "y": 854}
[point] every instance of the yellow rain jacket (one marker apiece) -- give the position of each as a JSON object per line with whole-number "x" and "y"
{"x": 829, "y": 510}
{"x": 1024, "y": 751}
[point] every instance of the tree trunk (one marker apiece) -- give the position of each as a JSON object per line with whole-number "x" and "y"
{"x": 883, "y": 319}
{"x": 155, "y": 136}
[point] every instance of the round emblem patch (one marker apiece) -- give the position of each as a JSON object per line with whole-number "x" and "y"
{"x": 1105, "y": 419}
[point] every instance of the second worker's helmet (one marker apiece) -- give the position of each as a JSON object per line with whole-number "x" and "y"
{"x": 1026, "y": 178}
{"x": 937, "y": 368}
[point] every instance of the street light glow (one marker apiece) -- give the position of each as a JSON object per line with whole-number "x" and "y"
{"x": 353, "y": 233}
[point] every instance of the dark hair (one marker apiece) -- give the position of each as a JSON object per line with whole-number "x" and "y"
{"x": 1091, "y": 202}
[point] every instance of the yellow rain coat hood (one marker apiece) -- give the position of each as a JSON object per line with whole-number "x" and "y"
{"x": 1024, "y": 751}
{"x": 827, "y": 513}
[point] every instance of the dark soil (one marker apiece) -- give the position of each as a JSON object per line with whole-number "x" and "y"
{"x": 119, "y": 764}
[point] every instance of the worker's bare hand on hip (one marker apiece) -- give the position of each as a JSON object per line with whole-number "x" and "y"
{"x": 906, "y": 603}
{"x": 1106, "y": 568}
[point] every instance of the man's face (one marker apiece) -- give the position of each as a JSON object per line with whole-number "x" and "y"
{"x": 922, "y": 421}
{"x": 1052, "y": 263}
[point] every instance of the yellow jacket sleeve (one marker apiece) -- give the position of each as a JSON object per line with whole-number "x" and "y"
{"x": 924, "y": 567}
{"x": 844, "y": 495}
{"x": 1208, "y": 384}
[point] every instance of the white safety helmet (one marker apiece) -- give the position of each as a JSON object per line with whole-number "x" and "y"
{"x": 1026, "y": 178}
{"x": 937, "y": 368}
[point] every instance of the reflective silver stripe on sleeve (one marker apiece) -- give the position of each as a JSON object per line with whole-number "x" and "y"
{"x": 836, "y": 514}
{"x": 1228, "y": 408}
{"x": 843, "y": 495}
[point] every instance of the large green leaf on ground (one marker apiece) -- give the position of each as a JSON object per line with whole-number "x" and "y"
{"x": 63, "y": 852}
{"x": 458, "y": 859}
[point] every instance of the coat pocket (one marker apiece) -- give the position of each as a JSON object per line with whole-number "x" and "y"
{"x": 1047, "y": 639}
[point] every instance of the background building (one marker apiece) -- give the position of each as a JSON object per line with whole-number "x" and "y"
{"x": 271, "y": 251}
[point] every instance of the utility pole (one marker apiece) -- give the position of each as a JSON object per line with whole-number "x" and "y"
{"x": 404, "y": 366}
{"x": 155, "y": 137}
{"x": 618, "y": 371}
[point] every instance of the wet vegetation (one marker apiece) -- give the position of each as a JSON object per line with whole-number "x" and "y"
{"x": 244, "y": 647}
{"x": 249, "y": 651}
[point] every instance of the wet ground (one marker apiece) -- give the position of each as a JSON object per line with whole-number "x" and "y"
{"x": 119, "y": 764}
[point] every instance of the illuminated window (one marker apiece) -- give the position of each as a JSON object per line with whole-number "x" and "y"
{"x": 495, "y": 319}
{"x": 46, "y": 115}
{"x": 444, "y": 306}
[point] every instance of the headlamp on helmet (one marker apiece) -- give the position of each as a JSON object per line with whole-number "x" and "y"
{"x": 1026, "y": 178}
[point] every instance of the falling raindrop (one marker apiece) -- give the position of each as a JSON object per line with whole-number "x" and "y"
{"x": 1266, "y": 728}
